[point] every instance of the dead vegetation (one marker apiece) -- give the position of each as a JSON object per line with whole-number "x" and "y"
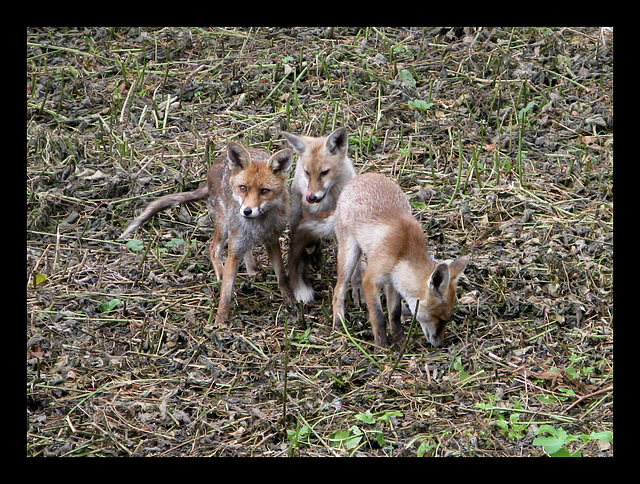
{"x": 502, "y": 140}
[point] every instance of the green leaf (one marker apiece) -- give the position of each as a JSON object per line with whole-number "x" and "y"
{"x": 560, "y": 453}
{"x": 423, "y": 448}
{"x": 343, "y": 438}
{"x": 483, "y": 406}
{"x": 366, "y": 418}
{"x": 420, "y": 104}
{"x": 546, "y": 399}
{"x": 550, "y": 444}
{"x": 298, "y": 435}
{"x": 606, "y": 437}
{"x": 406, "y": 77}
{"x": 109, "y": 305}
{"x": 546, "y": 428}
{"x": 134, "y": 245}
{"x": 173, "y": 241}
{"x": 571, "y": 372}
{"x": 387, "y": 416}
{"x": 419, "y": 205}
{"x": 523, "y": 112}
{"x": 40, "y": 278}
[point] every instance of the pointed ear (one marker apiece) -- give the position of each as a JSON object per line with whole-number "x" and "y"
{"x": 439, "y": 279}
{"x": 456, "y": 267}
{"x": 237, "y": 156}
{"x": 338, "y": 141}
{"x": 296, "y": 142}
{"x": 280, "y": 162}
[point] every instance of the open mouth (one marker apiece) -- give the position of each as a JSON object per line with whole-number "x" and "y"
{"x": 313, "y": 198}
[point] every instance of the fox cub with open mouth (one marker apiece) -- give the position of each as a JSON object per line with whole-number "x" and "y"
{"x": 322, "y": 170}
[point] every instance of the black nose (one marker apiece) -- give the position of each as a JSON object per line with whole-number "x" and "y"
{"x": 312, "y": 197}
{"x": 247, "y": 212}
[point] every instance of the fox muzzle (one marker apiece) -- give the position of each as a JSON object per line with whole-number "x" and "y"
{"x": 248, "y": 212}
{"x": 315, "y": 198}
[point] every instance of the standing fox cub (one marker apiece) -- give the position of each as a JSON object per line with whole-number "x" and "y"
{"x": 247, "y": 196}
{"x": 322, "y": 170}
{"x": 373, "y": 217}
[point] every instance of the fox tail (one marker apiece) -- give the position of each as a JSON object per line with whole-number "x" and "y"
{"x": 161, "y": 203}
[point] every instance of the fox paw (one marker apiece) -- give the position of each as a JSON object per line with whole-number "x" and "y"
{"x": 303, "y": 293}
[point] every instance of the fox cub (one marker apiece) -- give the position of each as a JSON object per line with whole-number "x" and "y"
{"x": 248, "y": 198}
{"x": 373, "y": 217}
{"x": 322, "y": 170}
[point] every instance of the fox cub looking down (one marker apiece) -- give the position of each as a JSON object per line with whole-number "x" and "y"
{"x": 248, "y": 198}
{"x": 322, "y": 170}
{"x": 373, "y": 217}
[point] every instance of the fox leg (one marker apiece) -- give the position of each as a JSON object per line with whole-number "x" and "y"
{"x": 371, "y": 291}
{"x": 215, "y": 250}
{"x": 348, "y": 258}
{"x": 275, "y": 255}
{"x": 305, "y": 233}
{"x": 250, "y": 263}
{"x": 394, "y": 307}
{"x": 298, "y": 265}
{"x": 226, "y": 286}
{"x": 356, "y": 284}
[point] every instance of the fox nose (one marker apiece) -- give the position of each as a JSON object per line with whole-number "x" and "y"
{"x": 247, "y": 212}
{"x": 313, "y": 198}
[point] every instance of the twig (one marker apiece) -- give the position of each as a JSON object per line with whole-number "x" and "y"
{"x": 406, "y": 341}
{"x": 286, "y": 369}
{"x": 584, "y": 397}
{"x": 126, "y": 101}
{"x": 344, "y": 325}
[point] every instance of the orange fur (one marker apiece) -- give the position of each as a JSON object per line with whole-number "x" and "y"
{"x": 373, "y": 217}
{"x": 247, "y": 196}
{"x": 322, "y": 170}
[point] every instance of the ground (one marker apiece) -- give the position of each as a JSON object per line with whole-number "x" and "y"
{"x": 502, "y": 140}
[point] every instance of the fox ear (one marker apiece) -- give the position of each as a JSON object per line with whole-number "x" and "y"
{"x": 446, "y": 273}
{"x": 239, "y": 158}
{"x": 439, "y": 279}
{"x": 457, "y": 266}
{"x": 296, "y": 142}
{"x": 281, "y": 161}
{"x": 338, "y": 141}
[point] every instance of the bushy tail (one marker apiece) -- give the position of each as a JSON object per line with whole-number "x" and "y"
{"x": 161, "y": 203}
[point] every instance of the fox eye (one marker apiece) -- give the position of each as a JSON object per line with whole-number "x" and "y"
{"x": 242, "y": 188}
{"x": 264, "y": 191}
{"x": 324, "y": 172}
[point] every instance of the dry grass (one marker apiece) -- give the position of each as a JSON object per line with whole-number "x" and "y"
{"x": 502, "y": 140}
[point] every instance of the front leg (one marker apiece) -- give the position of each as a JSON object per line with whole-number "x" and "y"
{"x": 275, "y": 255}
{"x": 250, "y": 263}
{"x": 298, "y": 266}
{"x": 226, "y": 286}
{"x": 372, "y": 297}
{"x": 215, "y": 250}
{"x": 394, "y": 308}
